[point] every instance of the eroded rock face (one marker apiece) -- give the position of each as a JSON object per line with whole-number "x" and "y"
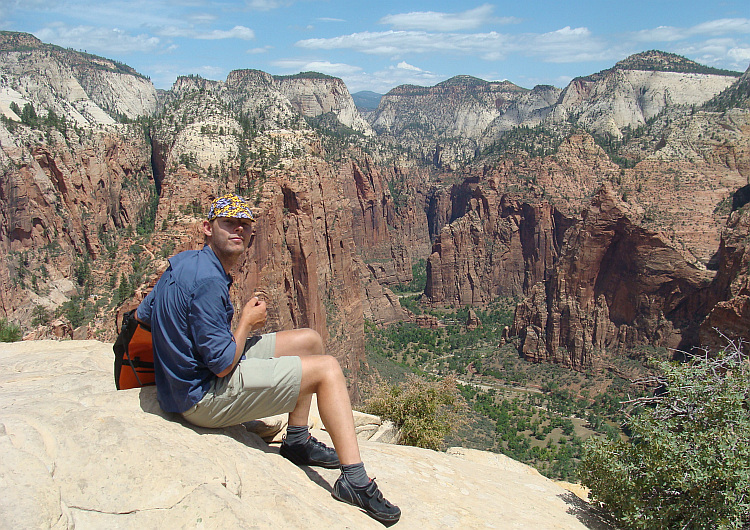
{"x": 444, "y": 123}
{"x": 61, "y": 201}
{"x": 728, "y": 298}
{"x": 313, "y": 95}
{"x": 83, "y": 88}
{"x": 624, "y": 97}
{"x": 615, "y": 284}
{"x": 498, "y": 246}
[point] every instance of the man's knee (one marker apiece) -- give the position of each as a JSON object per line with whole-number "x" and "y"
{"x": 311, "y": 341}
{"x": 321, "y": 368}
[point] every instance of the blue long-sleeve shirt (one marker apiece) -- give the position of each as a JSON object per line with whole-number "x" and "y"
{"x": 190, "y": 315}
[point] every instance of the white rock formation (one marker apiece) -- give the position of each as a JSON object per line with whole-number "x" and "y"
{"x": 78, "y": 453}
{"x": 622, "y": 98}
{"x": 313, "y": 96}
{"x": 85, "y": 89}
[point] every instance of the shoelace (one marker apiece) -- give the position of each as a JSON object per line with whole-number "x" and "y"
{"x": 320, "y": 445}
{"x": 377, "y": 493}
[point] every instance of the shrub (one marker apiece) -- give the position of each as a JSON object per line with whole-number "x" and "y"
{"x": 9, "y": 332}
{"x": 686, "y": 464}
{"x": 425, "y": 411}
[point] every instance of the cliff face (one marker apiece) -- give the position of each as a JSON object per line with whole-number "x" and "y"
{"x": 615, "y": 284}
{"x": 82, "y": 88}
{"x": 62, "y": 202}
{"x": 496, "y": 236}
{"x": 497, "y": 247}
{"x": 313, "y": 95}
{"x": 67, "y": 186}
{"x": 727, "y": 299}
{"x": 628, "y": 98}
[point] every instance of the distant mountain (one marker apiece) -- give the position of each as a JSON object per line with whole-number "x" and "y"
{"x": 367, "y": 100}
{"x": 658, "y": 61}
{"x": 82, "y": 88}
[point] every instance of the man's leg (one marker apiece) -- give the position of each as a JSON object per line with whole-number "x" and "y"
{"x": 321, "y": 375}
{"x": 302, "y": 343}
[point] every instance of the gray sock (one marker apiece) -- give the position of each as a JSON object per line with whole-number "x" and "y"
{"x": 296, "y": 434}
{"x": 356, "y": 475}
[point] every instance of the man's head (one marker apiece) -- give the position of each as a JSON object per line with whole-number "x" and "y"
{"x": 229, "y": 228}
{"x": 231, "y": 206}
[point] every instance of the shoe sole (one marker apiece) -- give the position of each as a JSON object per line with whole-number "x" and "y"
{"x": 385, "y": 518}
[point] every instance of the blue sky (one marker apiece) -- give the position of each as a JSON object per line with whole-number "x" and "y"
{"x": 379, "y": 45}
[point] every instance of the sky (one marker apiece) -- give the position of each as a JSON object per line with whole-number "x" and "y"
{"x": 378, "y": 45}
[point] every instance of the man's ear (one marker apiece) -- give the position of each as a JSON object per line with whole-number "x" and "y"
{"x": 207, "y": 228}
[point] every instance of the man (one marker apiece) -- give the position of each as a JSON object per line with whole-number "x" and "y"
{"x": 216, "y": 378}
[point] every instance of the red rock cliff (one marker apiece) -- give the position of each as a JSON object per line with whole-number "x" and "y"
{"x": 615, "y": 284}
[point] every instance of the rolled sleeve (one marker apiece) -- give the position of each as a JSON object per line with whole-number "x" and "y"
{"x": 209, "y": 321}
{"x": 145, "y": 308}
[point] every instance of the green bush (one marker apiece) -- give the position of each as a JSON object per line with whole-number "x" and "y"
{"x": 9, "y": 332}
{"x": 425, "y": 411}
{"x": 686, "y": 463}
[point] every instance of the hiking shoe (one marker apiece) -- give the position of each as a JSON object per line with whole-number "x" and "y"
{"x": 310, "y": 453}
{"x": 368, "y": 498}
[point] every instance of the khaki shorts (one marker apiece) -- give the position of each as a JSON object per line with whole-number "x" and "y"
{"x": 259, "y": 386}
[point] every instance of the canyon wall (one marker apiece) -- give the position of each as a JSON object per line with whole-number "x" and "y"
{"x": 615, "y": 285}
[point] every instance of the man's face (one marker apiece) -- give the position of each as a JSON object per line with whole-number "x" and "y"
{"x": 229, "y": 236}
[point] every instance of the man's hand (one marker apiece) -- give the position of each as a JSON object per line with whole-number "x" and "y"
{"x": 254, "y": 314}
{"x": 253, "y": 317}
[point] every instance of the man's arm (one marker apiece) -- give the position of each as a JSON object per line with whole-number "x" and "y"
{"x": 253, "y": 317}
{"x": 143, "y": 312}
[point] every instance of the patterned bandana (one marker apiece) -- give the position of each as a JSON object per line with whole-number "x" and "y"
{"x": 230, "y": 205}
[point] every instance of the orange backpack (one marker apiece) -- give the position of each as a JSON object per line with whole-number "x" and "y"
{"x": 134, "y": 354}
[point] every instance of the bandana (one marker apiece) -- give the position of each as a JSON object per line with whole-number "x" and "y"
{"x": 232, "y": 206}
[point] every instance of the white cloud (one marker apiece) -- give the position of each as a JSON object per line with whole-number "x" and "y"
{"x": 325, "y": 67}
{"x": 723, "y": 53}
{"x": 712, "y": 28}
{"x": 210, "y": 72}
{"x": 201, "y": 18}
{"x": 722, "y": 26}
{"x": 398, "y": 42}
{"x": 659, "y": 34}
{"x": 406, "y": 66}
{"x": 444, "y": 22}
{"x": 267, "y": 5}
{"x": 102, "y": 40}
{"x": 740, "y": 54}
{"x": 189, "y": 32}
{"x": 563, "y": 45}
{"x": 257, "y": 51}
{"x": 383, "y": 80}
{"x": 237, "y": 32}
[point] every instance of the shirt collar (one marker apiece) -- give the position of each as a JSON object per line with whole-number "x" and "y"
{"x": 215, "y": 261}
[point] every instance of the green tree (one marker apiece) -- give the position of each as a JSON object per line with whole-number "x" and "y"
{"x": 39, "y": 315}
{"x": 686, "y": 463}
{"x": 123, "y": 290}
{"x": 9, "y": 332}
{"x": 28, "y": 115}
